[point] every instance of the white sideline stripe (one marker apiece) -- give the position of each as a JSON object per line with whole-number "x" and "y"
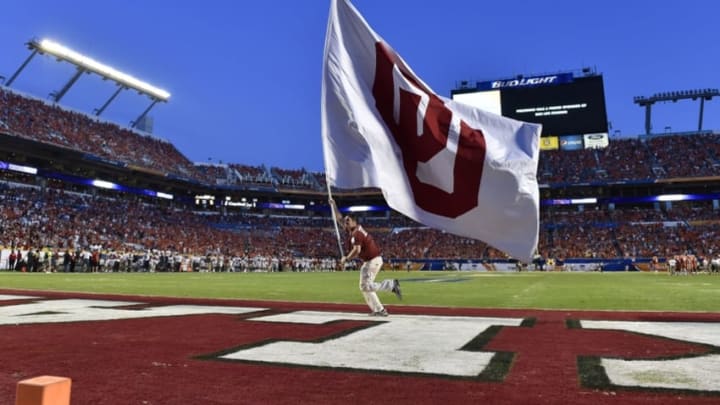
{"x": 5, "y": 297}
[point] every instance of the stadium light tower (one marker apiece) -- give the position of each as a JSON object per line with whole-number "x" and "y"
{"x": 85, "y": 64}
{"x": 674, "y": 96}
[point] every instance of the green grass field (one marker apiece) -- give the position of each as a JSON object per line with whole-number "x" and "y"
{"x": 589, "y": 291}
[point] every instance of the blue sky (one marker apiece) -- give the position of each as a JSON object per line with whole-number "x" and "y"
{"x": 245, "y": 75}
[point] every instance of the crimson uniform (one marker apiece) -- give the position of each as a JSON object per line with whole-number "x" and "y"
{"x": 372, "y": 262}
{"x": 368, "y": 247}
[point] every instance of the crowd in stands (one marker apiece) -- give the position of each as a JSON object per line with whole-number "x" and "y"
{"x": 567, "y": 166}
{"x": 60, "y": 220}
{"x": 626, "y": 159}
{"x": 633, "y": 232}
{"x": 633, "y": 159}
{"x": 157, "y": 235}
{"x": 48, "y": 123}
{"x": 216, "y": 174}
{"x": 699, "y": 154}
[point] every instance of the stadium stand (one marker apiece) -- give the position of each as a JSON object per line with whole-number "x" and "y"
{"x": 626, "y": 159}
{"x": 40, "y": 121}
{"x": 638, "y": 159}
{"x": 700, "y": 154}
{"x": 567, "y": 166}
{"x": 216, "y": 174}
{"x": 298, "y": 178}
{"x": 51, "y": 215}
{"x": 56, "y": 221}
{"x": 250, "y": 174}
{"x": 321, "y": 181}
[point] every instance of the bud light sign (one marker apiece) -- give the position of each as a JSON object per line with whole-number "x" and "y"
{"x": 521, "y": 81}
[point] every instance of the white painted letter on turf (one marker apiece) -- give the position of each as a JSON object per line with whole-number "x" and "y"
{"x": 78, "y": 310}
{"x": 699, "y": 373}
{"x": 400, "y": 343}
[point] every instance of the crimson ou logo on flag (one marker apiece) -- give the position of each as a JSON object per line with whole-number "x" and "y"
{"x": 425, "y": 129}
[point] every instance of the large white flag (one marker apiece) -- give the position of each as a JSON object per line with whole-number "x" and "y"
{"x": 442, "y": 163}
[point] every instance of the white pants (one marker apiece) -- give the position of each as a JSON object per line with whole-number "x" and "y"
{"x": 368, "y": 286}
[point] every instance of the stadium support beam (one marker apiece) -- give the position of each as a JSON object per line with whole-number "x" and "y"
{"x": 110, "y": 100}
{"x": 135, "y": 123}
{"x": 60, "y": 94}
{"x": 21, "y": 68}
{"x": 674, "y": 96}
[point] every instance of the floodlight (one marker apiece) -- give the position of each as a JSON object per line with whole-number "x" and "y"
{"x": 672, "y": 197}
{"x": 91, "y": 65}
{"x": 22, "y": 169}
{"x": 583, "y": 201}
{"x": 359, "y": 208}
{"x": 104, "y": 184}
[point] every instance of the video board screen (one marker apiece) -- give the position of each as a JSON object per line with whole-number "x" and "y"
{"x": 571, "y": 106}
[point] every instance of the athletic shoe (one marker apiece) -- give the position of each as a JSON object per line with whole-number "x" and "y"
{"x": 382, "y": 312}
{"x": 396, "y": 289}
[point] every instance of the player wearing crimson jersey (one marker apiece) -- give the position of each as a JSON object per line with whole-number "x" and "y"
{"x": 363, "y": 245}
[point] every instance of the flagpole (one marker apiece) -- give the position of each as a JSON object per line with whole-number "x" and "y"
{"x": 332, "y": 212}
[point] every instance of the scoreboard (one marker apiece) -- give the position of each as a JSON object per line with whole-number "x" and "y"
{"x": 565, "y": 105}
